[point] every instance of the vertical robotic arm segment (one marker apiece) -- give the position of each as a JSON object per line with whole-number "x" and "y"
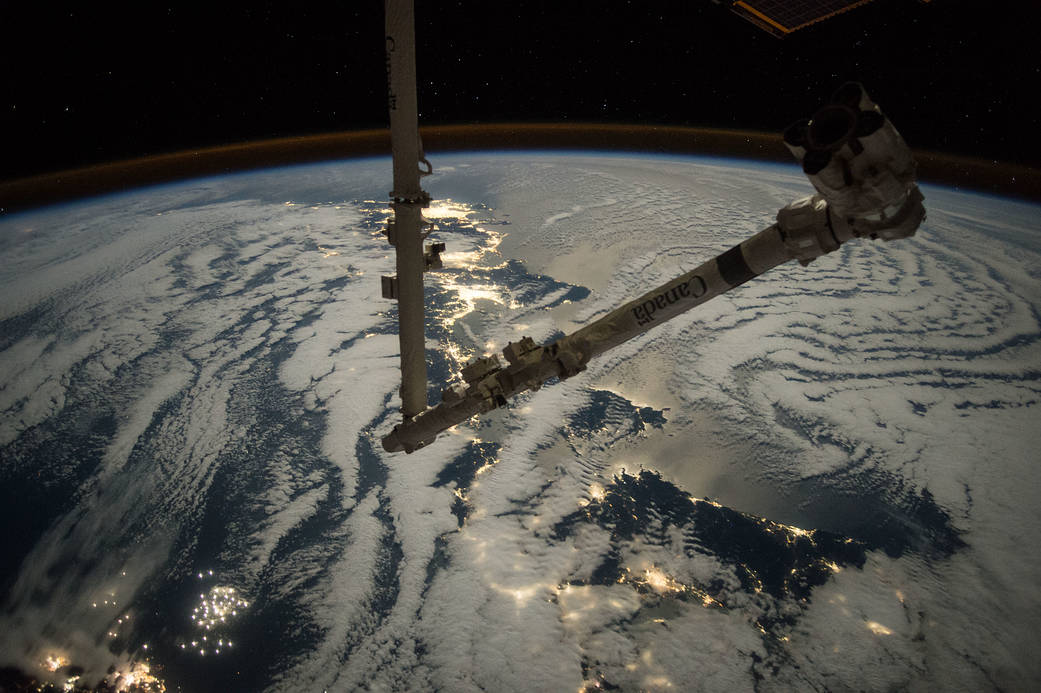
{"x": 864, "y": 175}
{"x": 405, "y": 232}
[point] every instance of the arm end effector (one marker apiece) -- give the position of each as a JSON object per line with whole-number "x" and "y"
{"x": 863, "y": 172}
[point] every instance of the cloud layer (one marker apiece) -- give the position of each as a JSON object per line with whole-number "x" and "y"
{"x": 196, "y": 378}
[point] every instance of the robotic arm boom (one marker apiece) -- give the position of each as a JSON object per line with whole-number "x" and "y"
{"x": 864, "y": 176}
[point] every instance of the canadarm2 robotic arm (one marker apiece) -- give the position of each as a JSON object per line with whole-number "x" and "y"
{"x": 865, "y": 180}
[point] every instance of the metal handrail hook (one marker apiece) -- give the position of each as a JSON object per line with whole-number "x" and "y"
{"x": 423, "y": 159}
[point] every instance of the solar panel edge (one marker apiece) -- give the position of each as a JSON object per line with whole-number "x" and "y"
{"x": 759, "y": 13}
{"x": 745, "y": 11}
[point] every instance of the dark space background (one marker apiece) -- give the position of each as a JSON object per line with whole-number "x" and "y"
{"x": 91, "y": 83}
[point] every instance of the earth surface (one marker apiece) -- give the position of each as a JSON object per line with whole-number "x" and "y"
{"x": 825, "y": 479}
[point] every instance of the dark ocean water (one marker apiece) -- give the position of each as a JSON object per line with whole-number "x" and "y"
{"x": 180, "y": 467}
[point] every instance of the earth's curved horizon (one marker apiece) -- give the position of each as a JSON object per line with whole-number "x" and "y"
{"x": 824, "y": 479}
{"x": 958, "y": 171}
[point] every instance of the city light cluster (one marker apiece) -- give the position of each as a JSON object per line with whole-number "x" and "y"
{"x": 217, "y": 607}
{"x": 138, "y": 677}
{"x": 216, "y": 610}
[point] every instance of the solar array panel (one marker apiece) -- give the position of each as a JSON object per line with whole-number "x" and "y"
{"x": 782, "y": 17}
